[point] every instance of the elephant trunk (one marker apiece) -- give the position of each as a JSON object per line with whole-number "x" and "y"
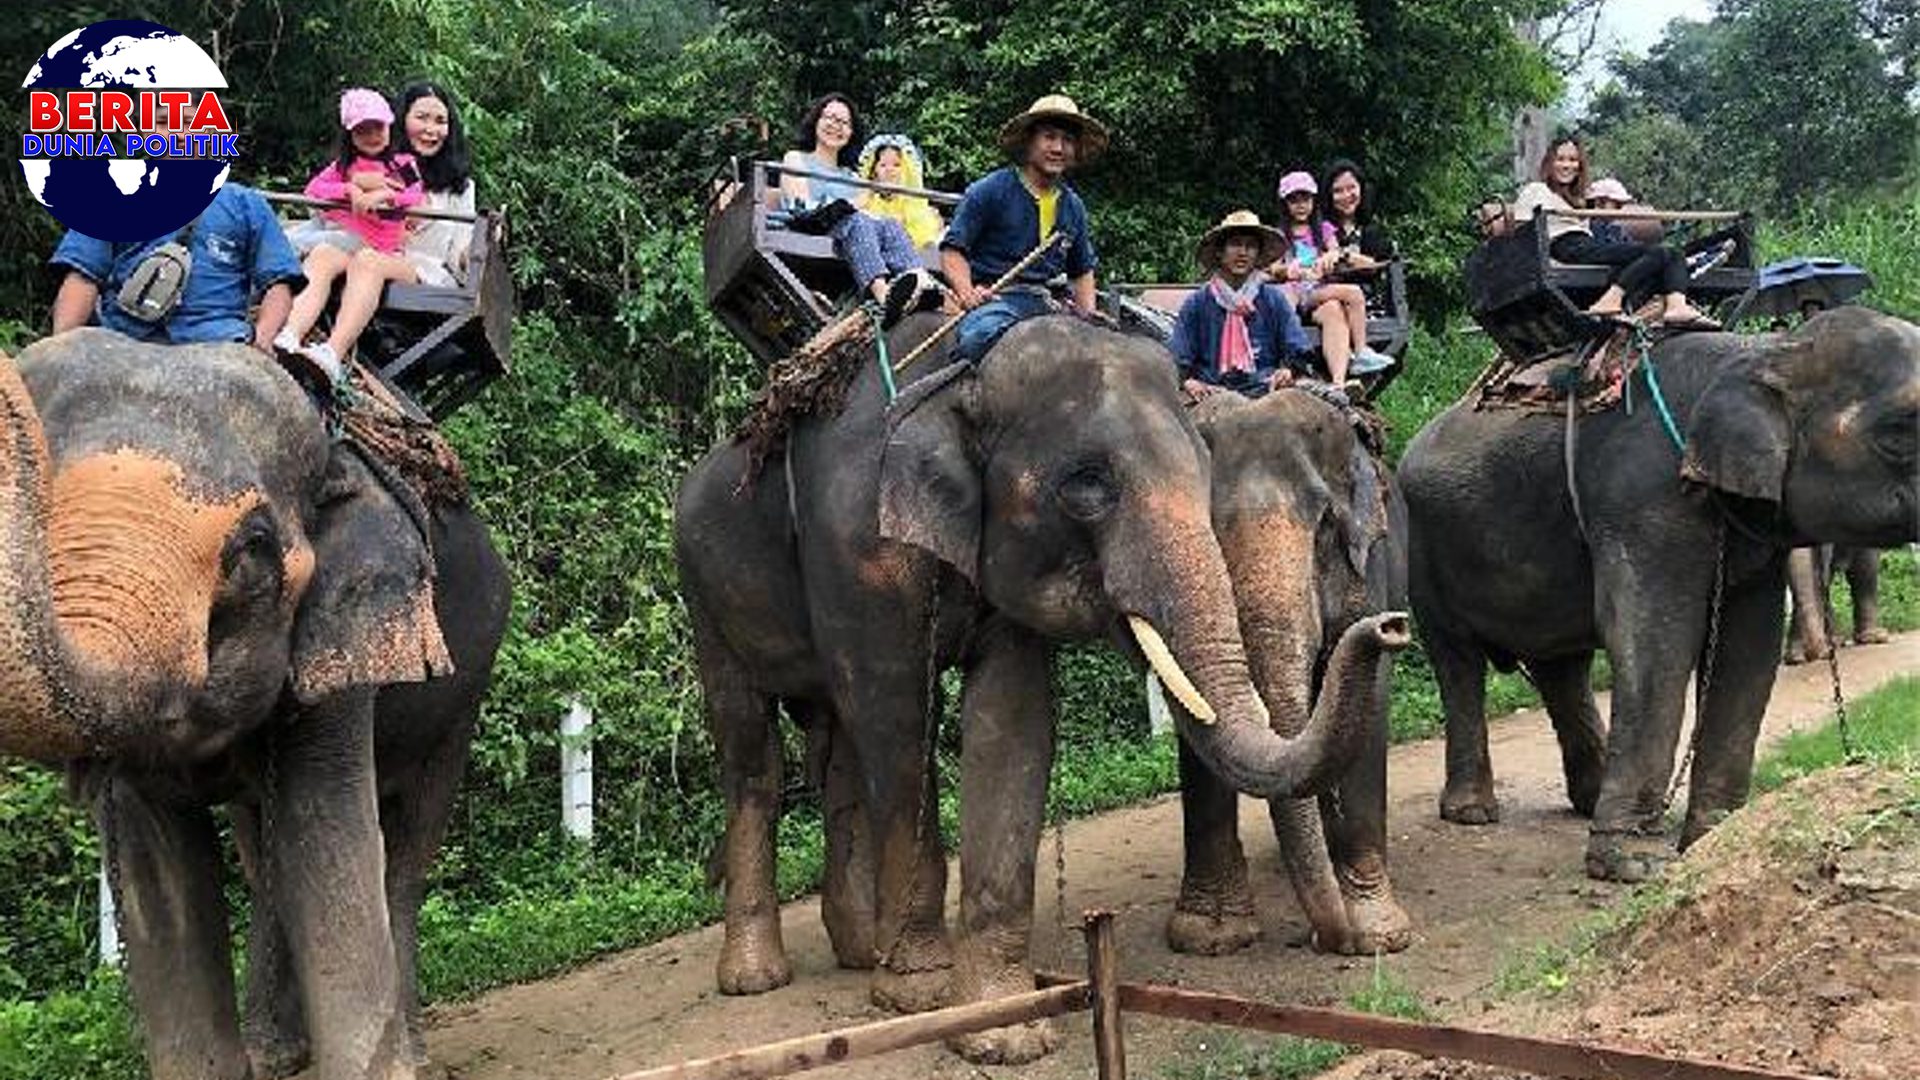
{"x": 109, "y": 570}
{"x": 1171, "y": 577}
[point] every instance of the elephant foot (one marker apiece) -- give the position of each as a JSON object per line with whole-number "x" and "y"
{"x": 1583, "y": 787}
{"x": 852, "y": 938}
{"x": 1212, "y": 929}
{"x": 753, "y": 963}
{"x": 1376, "y": 922}
{"x": 1795, "y": 656}
{"x": 274, "y": 1059}
{"x": 1469, "y": 804}
{"x": 1871, "y": 635}
{"x": 1698, "y": 824}
{"x": 1014, "y": 1045}
{"x": 917, "y": 975}
{"x": 1628, "y": 858}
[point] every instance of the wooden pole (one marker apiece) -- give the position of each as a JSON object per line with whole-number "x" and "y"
{"x": 337, "y": 204}
{"x": 1547, "y": 1057}
{"x": 1103, "y": 976}
{"x": 1006, "y": 279}
{"x": 867, "y": 1040}
{"x": 943, "y": 198}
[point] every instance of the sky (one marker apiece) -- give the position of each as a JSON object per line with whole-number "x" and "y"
{"x": 1630, "y": 26}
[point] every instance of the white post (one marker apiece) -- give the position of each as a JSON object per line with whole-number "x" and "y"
{"x": 1159, "y": 719}
{"x": 576, "y": 772}
{"x": 109, "y": 919}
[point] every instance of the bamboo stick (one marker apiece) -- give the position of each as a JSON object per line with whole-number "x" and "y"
{"x": 1006, "y": 279}
{"x": 851, "y": 1044}
{"x": 1649, "y": 212}
{"x": 943, "y": 198}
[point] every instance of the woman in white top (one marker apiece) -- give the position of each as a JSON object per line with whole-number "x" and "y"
{"x": 1562, "y": 186}
{"x": 430, "y": 130}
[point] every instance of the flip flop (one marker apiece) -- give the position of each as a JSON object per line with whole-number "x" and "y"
{"x": 1697, "y": 321}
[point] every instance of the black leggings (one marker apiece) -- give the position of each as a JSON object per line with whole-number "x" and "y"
{"x": 1641, "y": 264}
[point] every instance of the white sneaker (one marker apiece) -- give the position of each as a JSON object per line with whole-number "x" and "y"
{"x": 325, "y": 359}
{"x": 285, "y": 342}
{"x": 1367, "y": 361}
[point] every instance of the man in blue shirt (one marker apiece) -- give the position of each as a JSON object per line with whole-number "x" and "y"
{"x": 239, "y": 253}
{"x": 1237, "y": 331}
{"x": 1008, "y": 212}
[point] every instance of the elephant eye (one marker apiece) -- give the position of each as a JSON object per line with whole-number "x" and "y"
{"x": 250, "y": 560}
{"x": 1087, "y": 493}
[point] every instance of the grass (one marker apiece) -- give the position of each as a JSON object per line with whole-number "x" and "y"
{"x": 1885, "y": 729}
{"x": 1239, "y": 1057}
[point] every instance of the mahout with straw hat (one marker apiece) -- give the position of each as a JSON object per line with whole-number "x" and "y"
{"x": 1060, "y": 111}
{"x": 1238, "y": 332}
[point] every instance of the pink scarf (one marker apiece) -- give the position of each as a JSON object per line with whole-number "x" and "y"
{"x": 1236, "y": 344}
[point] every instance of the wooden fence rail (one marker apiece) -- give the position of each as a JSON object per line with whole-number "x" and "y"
{"x": 1110, "y": 1000}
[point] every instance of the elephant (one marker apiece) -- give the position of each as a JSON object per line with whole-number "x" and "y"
{"x": 1056, "y": 492}
{"x": 1810, "y": 581}
{"x": 1660, "y": 533}
{"x": 1314, "y": 535}
{"x": 210, "y": 602}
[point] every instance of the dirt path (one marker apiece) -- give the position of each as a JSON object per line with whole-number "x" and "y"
{"x": 1477, "y": 896}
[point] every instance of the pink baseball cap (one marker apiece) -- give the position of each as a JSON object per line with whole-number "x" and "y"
{"x": 1609, "y": 188}
{"x": 360, "y": 105}
{"x": 1298, "y": 181}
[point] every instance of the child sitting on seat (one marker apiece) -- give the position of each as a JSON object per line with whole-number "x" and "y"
{"x": 893, "y": 159}
{"x": 1340, "y": 308}
{"x": 377, "y": 181}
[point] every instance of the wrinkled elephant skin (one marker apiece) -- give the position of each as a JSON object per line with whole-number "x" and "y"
{"x": 1808, "y": 437}
{"x": 208, "y": 603}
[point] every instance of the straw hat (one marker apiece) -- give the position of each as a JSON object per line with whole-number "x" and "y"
{"x": 1272, "y": 241}
{"x": 1059, "y": 108}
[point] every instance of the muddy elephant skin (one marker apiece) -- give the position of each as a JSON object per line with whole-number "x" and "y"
{"x": 1314, "y": 534}
{"x": 208, "y": 603}
{"x": 1796, "y": 439}
{"x": 1057, "y": 492}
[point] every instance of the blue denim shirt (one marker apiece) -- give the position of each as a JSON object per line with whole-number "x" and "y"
{"x": 998, "y": 222}
{"x": 1278, "y": 340}
{"x": 238, "y": 250}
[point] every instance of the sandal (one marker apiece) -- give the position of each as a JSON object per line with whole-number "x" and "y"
{"x": 1690, "y": 320}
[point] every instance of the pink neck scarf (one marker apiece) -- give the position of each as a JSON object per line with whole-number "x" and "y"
{"x": 1236, "y": 344}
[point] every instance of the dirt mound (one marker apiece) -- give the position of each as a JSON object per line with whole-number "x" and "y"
{"x": 1789, "y": 938}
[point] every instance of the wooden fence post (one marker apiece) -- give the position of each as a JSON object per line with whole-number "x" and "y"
{"x": 576, "y": 772}
{"x": 1159, "y": 717}
{"x": 1103, "y": 981}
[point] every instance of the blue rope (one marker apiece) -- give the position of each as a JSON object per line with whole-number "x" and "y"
{"x": 1660, "y": 402}
{"x": 880, "y": 351}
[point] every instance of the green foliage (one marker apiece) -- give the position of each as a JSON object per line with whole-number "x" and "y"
{"x": 1884, "y": 727}
{"x": 86, "y": 1033}
{"x": 1877, "y": 234}
{"x": 1773, "y": 104}
{"x": 1239, "y": 1057}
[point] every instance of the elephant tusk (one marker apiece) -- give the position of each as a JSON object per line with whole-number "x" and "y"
{"x": 1165, "y": 666}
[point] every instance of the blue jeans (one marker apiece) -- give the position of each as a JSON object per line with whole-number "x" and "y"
{"x": 874, "y": 247}
{"x": 982, "y": 326}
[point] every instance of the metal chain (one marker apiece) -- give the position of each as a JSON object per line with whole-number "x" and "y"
{"x": 1060, "y": 886}
{"x": 1706, "y": 663}
{"x": 1847, "y": 751}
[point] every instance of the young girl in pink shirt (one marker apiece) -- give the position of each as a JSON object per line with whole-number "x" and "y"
{"x": 366, "y": 239}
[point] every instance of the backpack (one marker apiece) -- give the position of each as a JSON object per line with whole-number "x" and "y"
{"x": 154, "y": 288}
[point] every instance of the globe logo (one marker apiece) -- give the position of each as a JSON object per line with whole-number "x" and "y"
{"x": 138, "y": 190}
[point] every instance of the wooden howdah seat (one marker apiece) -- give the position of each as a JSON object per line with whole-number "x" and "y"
{"x": 1389, "y": 318}
{"x": 440, "y": 346}
{"x": 1534, "y": 306}
{"x": 770, "y": 286}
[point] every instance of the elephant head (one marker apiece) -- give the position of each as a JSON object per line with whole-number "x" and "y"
{"x": 1823, "y": 425}
{"x": 178, "y": 544}
{"x": 1064, "y": 479}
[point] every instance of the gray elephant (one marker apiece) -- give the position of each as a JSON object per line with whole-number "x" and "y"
{"x": 209, "y": 603}
{"x": 1672, "y": 557}
{"x": 1810, "y": 573}
{"x": 1056, "y": 492}
{"x": 1314, "y": 536}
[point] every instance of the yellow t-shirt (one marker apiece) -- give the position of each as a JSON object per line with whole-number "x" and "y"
{"x": 1049, "y": 203}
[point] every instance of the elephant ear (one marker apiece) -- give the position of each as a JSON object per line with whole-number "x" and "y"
{"x": 367, "y": 618}
{"x": 929, "y": 484}
{"x": 1363, "y": 522}
{"x": 1739, "y": 439}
